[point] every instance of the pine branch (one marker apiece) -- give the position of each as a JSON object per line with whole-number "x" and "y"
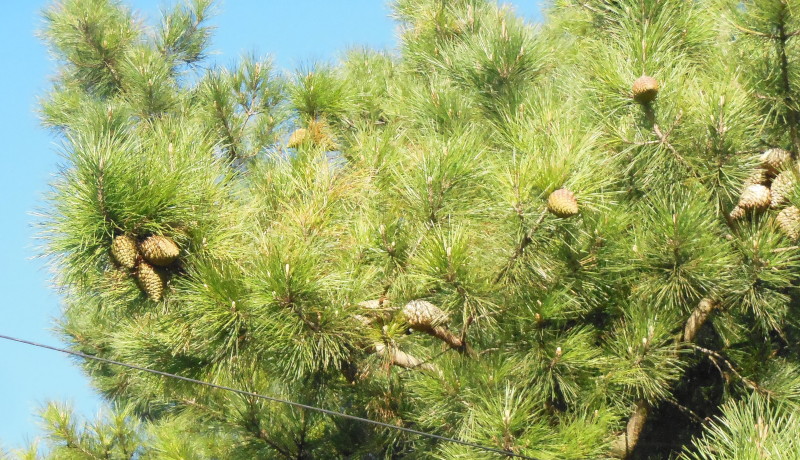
{"x": 229, "y": 137}
{"x": 626, "y": 443}
{"x": 263, "y": 435}
{"x": 443, "y": 334}
{"x": 301, "y": 443}
{"x": 663, "y": 137}
{"x": 698, "y": 318}
{"x": 84, "y": 29}
{"x": 715, "y": 356}
{"x": 526, "y": 240}
{"x": 783, "y": 38}
{"x": 402, "y": 359}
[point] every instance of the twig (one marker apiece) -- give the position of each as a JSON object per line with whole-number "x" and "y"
{"x": 754, "y": 32}
{"x": 692, "y": 414}
{"x": 428, "y": 361}
{"x": 711, "y": 353}
{"x": 663, "y": 138}
{"x": 228, "y": 131}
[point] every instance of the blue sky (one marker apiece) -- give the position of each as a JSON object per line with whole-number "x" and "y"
{"x": 292, "y": 32}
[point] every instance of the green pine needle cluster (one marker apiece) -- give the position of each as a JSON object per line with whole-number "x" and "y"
{"x": 377, "y": 236}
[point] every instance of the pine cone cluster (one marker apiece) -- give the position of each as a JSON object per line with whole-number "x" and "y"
{"x": 645, "y": 89}
{"x": 769, "y": 186}
{"x": 562, "y": 203}
{"x": 144, "y": 259}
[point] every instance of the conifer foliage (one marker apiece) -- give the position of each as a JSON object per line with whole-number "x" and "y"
{"x": 567, "y": 241}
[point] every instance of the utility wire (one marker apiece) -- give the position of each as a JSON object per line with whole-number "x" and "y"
{"x": 269, "y": 398}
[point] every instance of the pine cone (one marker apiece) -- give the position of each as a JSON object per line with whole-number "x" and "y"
{"x": 423, "y": 315}
{"x": 645, "y": 89}
{"x": 317, "y": 132}
{"x": 754, "y": 197}
{"x": 297, "y": 138}
{"x": 159, "y": 250}
{"x": 737, "y": 213}
{"x": 775, "y": 160}
{"x": 789, "y": 222}
{"x": 757, "y": 177}
{"x": 562, "y": 203}
{"x": 321, "y": 135}
{"x": 782, "y": 187}
{"x": 123, "y": 250}
{"x": 426, "y": 317}
{"x": 151, "y": 281}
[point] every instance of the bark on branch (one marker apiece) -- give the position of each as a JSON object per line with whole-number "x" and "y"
{"x": 402, "y": 359}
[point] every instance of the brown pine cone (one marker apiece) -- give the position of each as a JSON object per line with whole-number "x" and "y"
{"x": 645, "y": 89}
{"x": 789, "y": 222}
{"x": 781, "y": 188}
{"x": 775, "y": 160}
{"x": 755, "y": 197}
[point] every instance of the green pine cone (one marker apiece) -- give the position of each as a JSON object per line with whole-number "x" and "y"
{"x": 151, "y": 281}
{"x": 159, "y": 250}
{"x": 124, "y": 252}
{"x": 562, "y": 203}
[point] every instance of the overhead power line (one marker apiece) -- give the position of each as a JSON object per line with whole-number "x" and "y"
{"x": 269, "y": 398}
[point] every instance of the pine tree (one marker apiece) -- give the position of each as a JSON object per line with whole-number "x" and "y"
{"x": 555, "y": 240}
